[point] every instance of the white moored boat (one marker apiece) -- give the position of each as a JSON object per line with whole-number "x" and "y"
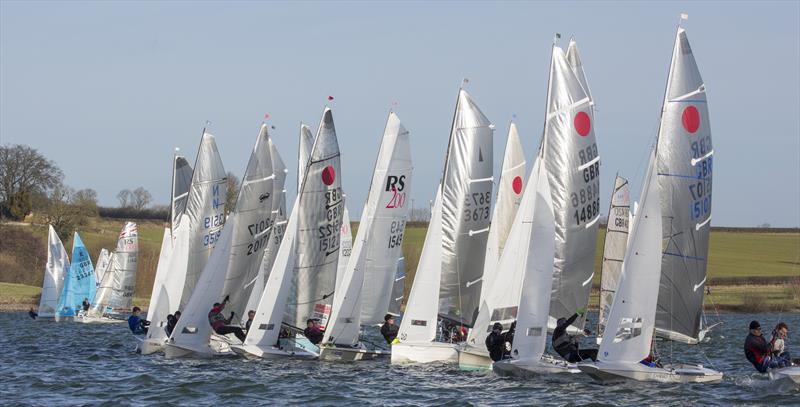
{"x": 447, "y": 284}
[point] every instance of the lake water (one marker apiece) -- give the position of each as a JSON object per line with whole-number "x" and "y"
{"x": 47, "y": 363}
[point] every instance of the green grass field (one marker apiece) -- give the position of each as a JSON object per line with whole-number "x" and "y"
{"x": 735, "y": 259}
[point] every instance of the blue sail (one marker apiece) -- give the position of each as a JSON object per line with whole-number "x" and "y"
{"x": 79, "y": 283}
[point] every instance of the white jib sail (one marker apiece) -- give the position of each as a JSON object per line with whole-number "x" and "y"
{"x": 278, "y": 228}
{"x": 420, "y": 318}
{"x": 198, "y": 230}
{"x": 616, "y": 241}
{"x": 345, "y": 248}
{"x": 632, "y": 319}
{"x": 57, "y": 263}
{"x": 509, "y": 196}
{"x": 236, "y": 255}
{"x": 502, "y": 297}
{"x": 364, "y": 295}
{"x": 101, "y": 266}
{"x": 536, "y": 259}
{"x": 115, "y": 294}
{"x": 573, "y": 165}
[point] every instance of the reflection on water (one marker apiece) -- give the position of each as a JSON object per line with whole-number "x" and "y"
{"x": 68, "y": 363}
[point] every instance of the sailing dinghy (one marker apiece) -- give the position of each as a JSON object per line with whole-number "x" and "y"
{"x": 365, "y": 290}
{"x": 233, "y": 263}
{"x": 53, "y": 283}
{"x": 192, "y": 239}
{"x": 115, "y": 293}
{"x": 79, "y": 283}
{"x": 685, "y": 170}
{"x": 310, "y": 249}
{"x": 445, "y": 295}
{"x": 473, "y": 355}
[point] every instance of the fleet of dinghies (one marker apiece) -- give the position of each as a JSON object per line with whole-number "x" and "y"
{"x": 522, "y": 265}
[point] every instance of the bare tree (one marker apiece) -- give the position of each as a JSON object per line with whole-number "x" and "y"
{"x": 24, "y": 173}
{"x": 65, "y": 210}
{"x": 232, "y": 192}
{"x": 87, "y": 200}
{"x": 141, "y": 198}
{"x": 125, "y": 198}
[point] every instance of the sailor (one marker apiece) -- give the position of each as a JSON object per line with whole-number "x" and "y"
{"x": 86, "y": 304}
{"x": 32, "y": 313}
{"x": 313, "y": 331}
{"x": 250, "y": 315}
{"x": 496, "y": 342}
{"x": 389, "y": 329}
{"x": 567, "y": 345}
{"x": 778, "y": 344}
{"x": 137, "y": 324}
{"x": 221, "y": 325}
{"x": 757, "y": 349}
{"x": 171, "y": 322}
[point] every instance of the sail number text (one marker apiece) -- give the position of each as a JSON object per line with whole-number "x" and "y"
{"x": 477, "y": 205}
{"x": 396, "y": 232}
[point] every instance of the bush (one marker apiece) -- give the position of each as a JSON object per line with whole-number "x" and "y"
{"x": 754, "y": 301}
{"x": 22, "y": 256}
{"x": 133, "y": 213}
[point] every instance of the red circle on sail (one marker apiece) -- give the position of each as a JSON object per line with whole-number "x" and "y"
{"x": 582, "y": 124}
{"x": 517, "y": 184}
{"x": 690, "y": 119}
{"x": 328, "y": 175}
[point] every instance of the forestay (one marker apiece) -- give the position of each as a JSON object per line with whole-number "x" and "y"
{"x": 236, "y": 255}
{"x": 56, "y": 268}
{"x": 685, "y": 169}
{"x": 115, "y": 294}
{"x": 466, "y": 210}
{"x": 509, "y": 195}
{"x": 616, "y": 241}
{"x": 572, "y": 163}
{"x": 364, "y": 294}
{"x": 80, "y": 283}
{"x": 535, "y": 256}
{"x": 632, "y": 318}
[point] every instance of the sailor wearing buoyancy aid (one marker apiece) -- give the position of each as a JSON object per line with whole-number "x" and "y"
{"x": 567, "y": 345}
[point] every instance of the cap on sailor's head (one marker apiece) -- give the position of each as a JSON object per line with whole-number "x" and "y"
{"x": 497, "y": 326}
{"x": 754, "y": 325}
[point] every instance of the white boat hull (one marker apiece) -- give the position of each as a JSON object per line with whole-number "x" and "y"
{"x": 218, "y": 346}
{"x": 531, "y": 368}
{"x": 149, "y": 346}
{"x": 345, "y": 354}
{"x": 430, "y": 352}
{"x": 786, "y": 375}
{"x": 472, "y": 358}
{"x": 287, "y": 348}
{"x": 87, "y": 319}
{"x": 608, "y": 372}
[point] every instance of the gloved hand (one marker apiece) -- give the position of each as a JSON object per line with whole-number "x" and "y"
{"x": 581, "y": 311}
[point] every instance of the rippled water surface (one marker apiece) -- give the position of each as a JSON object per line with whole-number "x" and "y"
{"x": 47, "y": 363}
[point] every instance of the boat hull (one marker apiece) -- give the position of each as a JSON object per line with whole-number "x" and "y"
{"x": 272, "y": 352}
{"x": 530, "y": 368}
{"x": 786, "y": 375}
{"x": 149, "y": 346}
{"x": 430, "y": 352}
{"x": 472, "y": 358}
{"x": 88, "y": 319}
{"x": 609, "y": 372}
{"x": 344, "y": 354}
{"x": 218, "y": 346}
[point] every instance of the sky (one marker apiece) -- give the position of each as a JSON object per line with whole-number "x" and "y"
{"x": 107, "y": 90}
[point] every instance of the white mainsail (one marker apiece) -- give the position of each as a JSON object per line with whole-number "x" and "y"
{"x": 364, "y": 295}
{"x": 115, "y": 293}
{"x": 53, "y": 283}
{"x": 573, "y": 165}
{"x": 509, "y": 196}
{"x": 101, "y": 266}
{"x": 181, "y": 180}
{"x": 685, "y": 169}
{"x": 306, "y": 144}
{"x": 616, "y": 241}
{"x": 278, "y": 228}
{"x": 236, "y": 256}
{"x": 630, "y": 323}
{"x": 310, "y": 246}
{"x": 198, "y": 230}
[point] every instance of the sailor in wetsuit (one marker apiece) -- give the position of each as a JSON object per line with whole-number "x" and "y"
{"x": 567, "y": 345}
{"x": 389, "y": 329}
{"x": 757, "y": 350}
{"x": 313, "y": 331}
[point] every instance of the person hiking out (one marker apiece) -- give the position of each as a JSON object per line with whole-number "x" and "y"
{"x": 567, "y": 345}
{"x": 221, "y": 325}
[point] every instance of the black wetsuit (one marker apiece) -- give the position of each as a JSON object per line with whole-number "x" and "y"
{"x": 171, "y": 322}
{"x": 32, "y": 314}
{"x": 314, "y": 335}
{"x": 247, "y": 325}
{"x": 496, "y": 345}
{"x": 567, "y": 345}
{"x": 86, "y": 305}
{"x": 389, "y": 332}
